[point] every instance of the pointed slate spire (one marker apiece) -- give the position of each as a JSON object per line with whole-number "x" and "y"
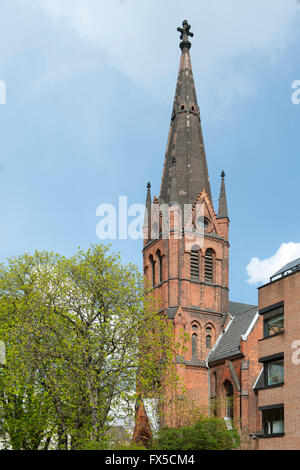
{"x": 147, "y": 218}
{"x": 174, "y": 189}
{"x": 185, "y": 141}
{"x": 223, "y": 211}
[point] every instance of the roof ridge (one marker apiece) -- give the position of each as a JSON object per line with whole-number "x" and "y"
{"x": 241, "y": 303}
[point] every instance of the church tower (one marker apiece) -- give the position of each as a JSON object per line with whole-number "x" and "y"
{"x": 185, "y": 257}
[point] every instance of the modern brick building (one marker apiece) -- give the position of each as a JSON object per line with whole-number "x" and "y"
{"x": 278, "y": 384}
{"x": 186, "y": 259}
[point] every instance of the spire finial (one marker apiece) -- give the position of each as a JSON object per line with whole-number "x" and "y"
{"x": 184, "y": 36}
{"x": 147, "y": 218}
{"x": 223, "y": 211}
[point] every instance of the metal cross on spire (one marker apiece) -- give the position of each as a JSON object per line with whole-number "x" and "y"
{"x": 184, "y": 36}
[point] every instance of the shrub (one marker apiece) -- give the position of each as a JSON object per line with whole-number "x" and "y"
{"x": 94, "y": 445}
{"x": 205, "y": 434}
{"x": 130, "y": 446}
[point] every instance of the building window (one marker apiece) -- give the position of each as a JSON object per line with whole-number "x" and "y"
{"x": 160, "y": 265}
{"x": 229, "y": 399}
{"x": 152, "y": 262}
{"x": 208, "y": 341}
{"x": 274, "y": 372}
{"x": 194, "y": 341}
{"x": 195, "y": 265}
{"x": 273, "y": 325}
{"x": 194, "y": 345}
{"x": 273, "y": 319}
{"x": 213, "y": 395}
{"x": 273, "y": 421}
{"x": 209, "y": 265}
{"x": 202, "y": 224}
{"x": 214, "y": 384}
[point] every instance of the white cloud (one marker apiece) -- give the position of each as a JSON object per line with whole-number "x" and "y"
{"x": 140, "y": 39}
{"x": 260, "y": 271}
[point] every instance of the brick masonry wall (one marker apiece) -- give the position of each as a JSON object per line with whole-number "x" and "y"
{"x": 287, "y": 290}
{"x": 247, "y": 369}
{"x": 199, "y": 303}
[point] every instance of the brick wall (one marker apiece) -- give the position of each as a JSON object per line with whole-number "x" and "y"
{"x": 198, "y": 302}
{"x": 285, "y": 290}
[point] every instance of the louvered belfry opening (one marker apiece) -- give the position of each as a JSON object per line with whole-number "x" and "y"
{"x": 209, "y": 266}
{"x": 195, "y": 265}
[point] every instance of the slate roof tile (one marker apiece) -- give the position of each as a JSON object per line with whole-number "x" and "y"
{"x": 229, "y": 342}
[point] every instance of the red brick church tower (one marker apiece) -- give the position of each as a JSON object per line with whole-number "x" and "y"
{"x": 186, "y": 259}
{"x": 188, "y": 268}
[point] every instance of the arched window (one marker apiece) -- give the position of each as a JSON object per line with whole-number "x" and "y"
{"x": 195, "y": 337}
{"x": 195, "y": 264}
{"x": 214, "y": 384}
{"x": 194, "y": 345}
{"x": 160, "y": 266}
{"x": 229, "y": 399}
{"x": 209, "y": 265}
{"x": 202, "y": 224}
{"x": 208, "y": 337}
{"x": 152, "y": 262}
{"x": 213, "y": 394}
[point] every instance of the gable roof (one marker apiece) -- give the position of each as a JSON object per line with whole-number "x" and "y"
{"x": 235, "y": 308}
{"x": 228, "y": 343}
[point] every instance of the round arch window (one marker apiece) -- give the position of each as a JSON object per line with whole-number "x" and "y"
{"x": 202, "y": 224}
{"x": 229, "y": 399}
{"x": 194, "y": 344}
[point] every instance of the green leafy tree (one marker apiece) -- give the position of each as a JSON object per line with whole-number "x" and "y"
{"x": 73, "y": 329}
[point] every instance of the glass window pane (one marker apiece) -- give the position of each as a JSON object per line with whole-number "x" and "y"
{"x": 274, "y": 325}
{"x": 273, "y": 421}
{"x": 275, "y": 372}
{"x": 277, "y": 427}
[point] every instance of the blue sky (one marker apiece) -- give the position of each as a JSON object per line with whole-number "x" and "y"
{"x": 89, "y": 91}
